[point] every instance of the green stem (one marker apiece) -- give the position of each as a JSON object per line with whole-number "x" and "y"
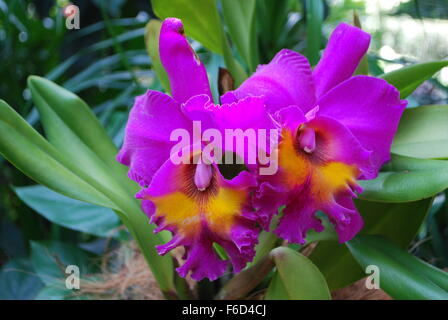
{"x": 235, "y": 68}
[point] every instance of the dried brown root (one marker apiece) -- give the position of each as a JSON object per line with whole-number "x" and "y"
{"x": 124, "y": 276}
{"x": 359, "y": 291}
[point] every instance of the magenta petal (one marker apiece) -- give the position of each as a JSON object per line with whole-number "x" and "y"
{"x": 346, "y": 218}
{"x": 371, "y": 109}
{"x": 202, "y": 261}
{"x": 186, "y": 72}
{"x": 244, "y": 180}
{"x": 285, "y": 81}
{"x": 298, "y": 217}
{"x": 241, "y": 248}
{"x": 345, "y": 49}
{"x": 337, "y": 143}
{"x": 243, "y": 116}
{"x": 290, "y": 117}
{"x": 164, "y": 181}
{"x": 199, "y": 108}
{"x": 200, "y": 257}
{"x": 267, "y": 200}
{"x": 147, "y": 142}
{"x": 248, "y": 114}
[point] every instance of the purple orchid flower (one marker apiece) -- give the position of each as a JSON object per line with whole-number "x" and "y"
{"x": 192, "y": 200}
{"x": 336, "y": 129}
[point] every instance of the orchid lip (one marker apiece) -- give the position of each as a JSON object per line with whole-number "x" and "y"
{"x": 203, "y": 176}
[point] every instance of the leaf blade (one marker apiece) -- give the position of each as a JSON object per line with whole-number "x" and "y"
{"x": 297, "y": 278}
{"x": 408, "y": 78}
{"x": 398, "y": 276}
{"x": 423, "y": 133}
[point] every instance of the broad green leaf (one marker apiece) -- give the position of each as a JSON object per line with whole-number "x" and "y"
{"x": 413, "y": 263}
{"x": 95, "y": 181}
{"x": 383, "y": 219}
{"x": 239, "y": 16}
{"x": 401, "y": 275}
{"x": 74, "y": 130}
{"x": 423, "y": 133}
{"x": 76, "y": 115}
{"x": 235, "y": 68}
{"x": 152, "y": 33}
{"x": 336, "y": 262}
{"x": 200, "y": 19}
{"x": 82, "y": 166}
{"x": 408, "y": 78}
{"x": 70, "y": 213}
{"x": 18, "y": 281}
{"x": 51, "y": 258}
{"x": 267, "y": 241}
{"x": 407, "y": 179}
{"x": 296, "y": 278}
{"x": 329, "y": 233}
{"x": 435, "y": 229}
{"x": 314, "y": 19}
{"x": 34, "y": 156}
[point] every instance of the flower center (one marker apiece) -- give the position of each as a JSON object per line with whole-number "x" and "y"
{"x": 203, "y": 176}
{"x": 306, "y": 138}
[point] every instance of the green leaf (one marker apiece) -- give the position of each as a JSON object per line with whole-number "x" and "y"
{"x": 435, "y": 230}
{"x": 70, "y": 213}
{"x": 408, "y": 78}
{"x": 200, "y": 19}
{"x": 407, "y": 179}
{"x": 329, "y": 233}
{"x": 152, "y": 33}
{"x": 75, "y": 168}
{"x": 51, "y": 258}
{"x": 336, "y": 262}
{"x": 423, "y": 133}
{"x": 314, "y": 19}
{"x": 413, "y": 263}
{"x": 383, "y": 219}
{"x": 239, "y": 16}
{"x": 235, "y": 68}
{"x": 267, "y": 241}
{"x": 75, "y": 114}
{"x": 74, "y": 130}
{"x": 27, "y": 150}
{"x": 296, "y": 278}
{"x": 18, "y": 281}
{"x": 402, "y": 275}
